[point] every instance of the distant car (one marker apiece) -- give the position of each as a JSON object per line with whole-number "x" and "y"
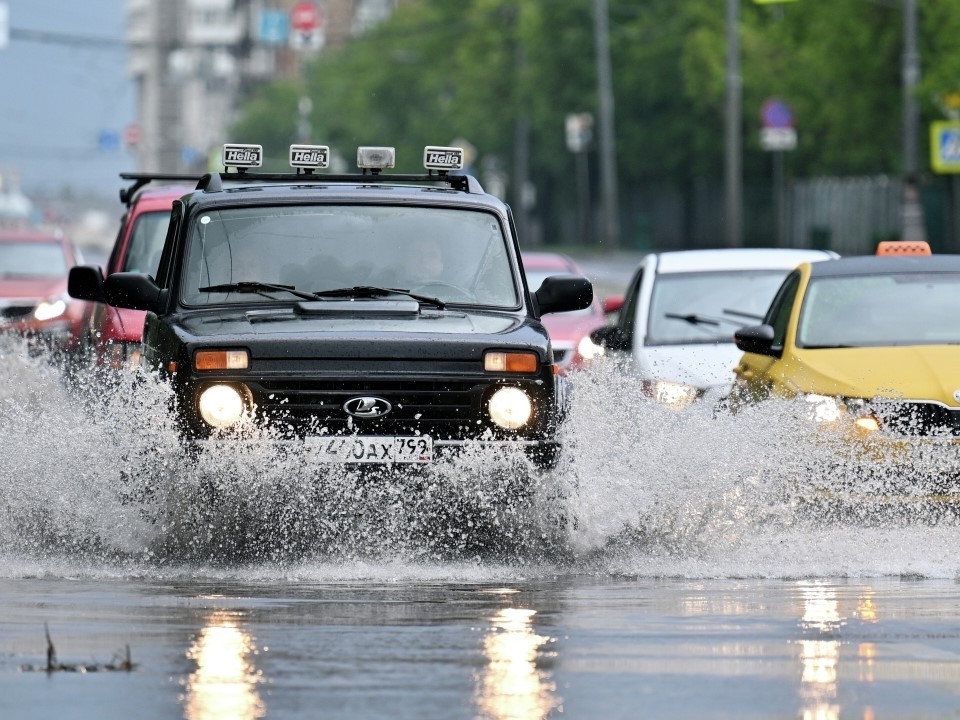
{"x": 569, "y": 332}
{"x": 872, "y": 345}
{"x": 682, "y": 308}
{"x": 112, "y": 335}
{"x": 34, "y": 264}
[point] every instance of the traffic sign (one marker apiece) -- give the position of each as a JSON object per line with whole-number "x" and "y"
{"x": 778, "y": 138}
{"x": 776, "y": 114}
{"x": 945, "y": 146}
{"x": 306, "y": 27}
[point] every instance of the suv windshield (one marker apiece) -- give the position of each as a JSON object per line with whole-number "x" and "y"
{"x": 455, "y": 255}
{"x": 879, "y": 310}
{"x": 707, "y": 307}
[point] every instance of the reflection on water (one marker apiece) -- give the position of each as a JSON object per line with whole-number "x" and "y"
{"x": 224, "y": 684}
{"x": 820, "y": 657}
{"x": 512, "y": 685}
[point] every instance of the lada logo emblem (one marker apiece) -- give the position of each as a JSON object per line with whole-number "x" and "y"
{"x": 367, "y": 407}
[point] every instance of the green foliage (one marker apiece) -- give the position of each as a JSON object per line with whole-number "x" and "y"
{"x": 481, "y": 69}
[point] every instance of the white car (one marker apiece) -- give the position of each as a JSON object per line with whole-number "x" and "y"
{"x": 682, "y": 308}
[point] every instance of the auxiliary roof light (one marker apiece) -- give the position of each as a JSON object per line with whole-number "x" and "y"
{"x": 443, "y": 159}
{"x": 310, "y": 157}
{"x": 242, "y": 156}
{"x": 375, "y": 158}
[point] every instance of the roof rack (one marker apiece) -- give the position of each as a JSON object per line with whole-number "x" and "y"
{"x": 141, "y": 179}
{"x": 213, "y": 182}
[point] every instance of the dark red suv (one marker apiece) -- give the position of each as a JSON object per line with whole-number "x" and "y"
{"x": 113, "y": 334}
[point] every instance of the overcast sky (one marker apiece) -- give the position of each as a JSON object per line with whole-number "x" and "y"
{"x": 62, "y": 103}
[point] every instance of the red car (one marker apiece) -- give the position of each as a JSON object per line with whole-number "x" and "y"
{"x": 34, "y": 264}
{"x": 569, "y": 331}
{"x": 113, "y": 334}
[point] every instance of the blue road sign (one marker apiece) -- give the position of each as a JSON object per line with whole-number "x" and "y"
{"x": 776, "y": 114}
{"x": 274, "y": 27}
{"x": 945, "y": 146}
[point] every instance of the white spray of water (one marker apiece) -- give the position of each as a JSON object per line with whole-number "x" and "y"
{"x": 95, "y": 481}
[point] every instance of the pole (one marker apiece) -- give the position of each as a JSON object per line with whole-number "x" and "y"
{"x": 734, "y": 174}
{"x": 778, "y": 199}
{"x": 610, "y": 233}
{"x": 912, "y": 223}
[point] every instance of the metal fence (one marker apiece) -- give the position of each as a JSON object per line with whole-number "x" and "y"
{"x": 847, "y": 214}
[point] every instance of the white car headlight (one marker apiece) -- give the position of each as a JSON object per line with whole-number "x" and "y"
{"x": 510, "y": 408}
{"x": 588, "y": 349}
{"x": 671, "y": 394}
{"x": 221, "y": 405}
{"x": 823, "y": 408}
{"x": 50, "y": 309}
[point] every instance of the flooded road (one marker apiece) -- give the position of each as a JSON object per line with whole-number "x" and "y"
{"x": 663, "y": 572}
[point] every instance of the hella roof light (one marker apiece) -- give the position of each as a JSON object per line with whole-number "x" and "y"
{"x": 310, "y": 157}
{"x": 375, "y": 158}
{"x": 442, "y": 158}
{"x": 242, "y": 156}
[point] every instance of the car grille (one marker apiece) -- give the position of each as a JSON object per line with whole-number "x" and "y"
{"x": 442, "y": 408}
{"x": 13, "y": 313}
{"x": 918, "y": 419}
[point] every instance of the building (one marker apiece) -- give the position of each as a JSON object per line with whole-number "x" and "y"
{"x": 195, "y": 61}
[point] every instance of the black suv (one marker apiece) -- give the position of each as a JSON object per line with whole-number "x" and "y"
{"x": 378, "y": 318}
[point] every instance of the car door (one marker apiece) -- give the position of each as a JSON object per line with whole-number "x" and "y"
{"x": 759, "y": 375}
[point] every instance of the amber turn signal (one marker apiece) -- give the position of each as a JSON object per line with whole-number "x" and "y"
{"x": 221, "y": 360}
{"x": 519, "y": 362}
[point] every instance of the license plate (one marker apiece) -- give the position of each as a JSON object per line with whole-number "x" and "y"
{"x": 372, "y": 449}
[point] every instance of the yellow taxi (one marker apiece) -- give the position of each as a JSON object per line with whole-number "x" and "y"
{"x": 872, "y": 345}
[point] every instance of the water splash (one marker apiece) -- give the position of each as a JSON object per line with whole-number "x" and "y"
{"x": 94, "y": 476}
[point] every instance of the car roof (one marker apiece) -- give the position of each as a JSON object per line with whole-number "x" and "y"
{"x": 30, "y": 234}
{"x": 874, "y": 264}
{"x": 379, "y": 191}
{"x": 167, "y": 193}
{"x": 737, "y": 259}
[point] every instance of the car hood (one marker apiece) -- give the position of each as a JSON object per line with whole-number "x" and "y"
{"x": 702, "y": 366}
{"x": 570, "y": 329}
{"x": 927, "y": 372}
{"x": 362, "y": 333}
{"x": 32, "y": 288}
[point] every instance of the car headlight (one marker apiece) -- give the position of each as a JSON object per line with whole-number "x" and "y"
{"x": 823, "y": 408}
{"x": 671, "y": 394}
{"x": 588, "y": 349}
{"x": 510, "y": 408}
{"x": 50, "y": 309}
{"x": 221, "y": 406}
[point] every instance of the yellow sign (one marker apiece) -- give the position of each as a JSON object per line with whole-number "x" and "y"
{"x": 945, "y": 146}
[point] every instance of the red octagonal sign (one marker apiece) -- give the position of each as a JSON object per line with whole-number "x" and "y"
{"x": 305, "y": 16}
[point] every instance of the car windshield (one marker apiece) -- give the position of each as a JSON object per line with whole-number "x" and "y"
{"x": 146, "y": 242}
{"x": 535, "y": 279}
{"x": 32, "y": 260}
{"x": 707, "y": 307}
{"x": 881, "y": 310}
{"x": 458, "y": 256}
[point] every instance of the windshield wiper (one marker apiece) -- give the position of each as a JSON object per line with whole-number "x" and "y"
{"x": 697, "y": 319}
{"x": 741, "y": 313}
{"x": 374, "y": 291}
{"x": 261, "y": 288}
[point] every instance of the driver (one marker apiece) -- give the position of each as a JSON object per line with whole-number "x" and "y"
{"x": 422, "y": 262}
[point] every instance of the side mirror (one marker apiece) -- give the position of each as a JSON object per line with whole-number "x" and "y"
{"x": 85, "y": 282}
{"x": 610, "y": 337}
{"x": 136, "y": 291}
{"x": 562, "y": 294}
{"x": 755, "y": 339}
{"x": 612, "y": 304}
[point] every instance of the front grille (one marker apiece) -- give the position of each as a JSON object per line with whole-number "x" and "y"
{"x": 16, "y": 312}
{"x": 442, "y": 408}
{"x": 918, "y": 419}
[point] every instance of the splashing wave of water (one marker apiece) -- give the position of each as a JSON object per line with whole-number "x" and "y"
{"x": 96, "y": 477}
